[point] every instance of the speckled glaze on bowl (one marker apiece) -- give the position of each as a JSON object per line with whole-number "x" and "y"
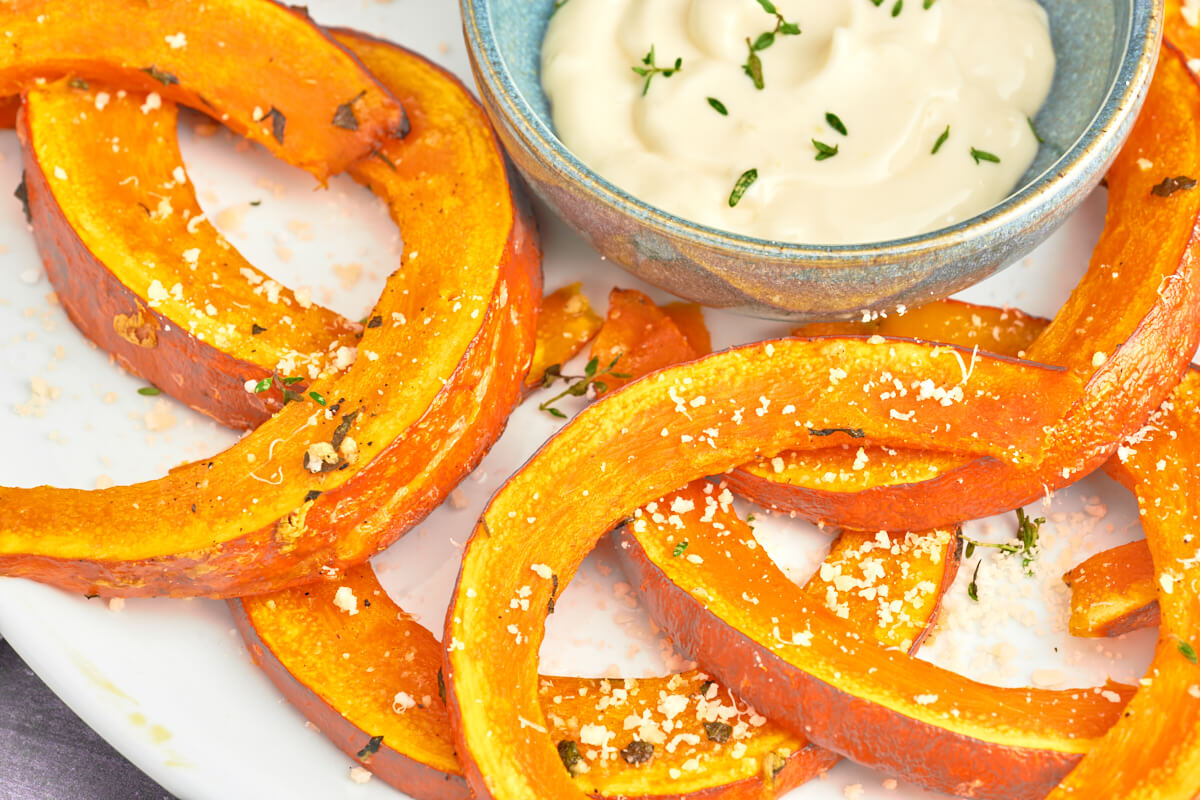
{"x": 1106, "y": 51}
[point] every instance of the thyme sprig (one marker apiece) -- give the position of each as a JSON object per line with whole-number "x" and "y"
{"x": 1028, "y": 530}
{"x": 285, "y": 388}
{"x": 649, "y": 68}
{"x": 753, "y": 66}
{"x": 578, "y": 385}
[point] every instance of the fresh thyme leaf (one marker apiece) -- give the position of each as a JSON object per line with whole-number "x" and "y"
{"x": 836, "y": 123}
{"x": 344, "y": 116}
{"x": 896, "y": 9}
{"x": 370, "y": 749}
{"x": 718, "y": 732}
{"x": 877, "y": 3}
{"x": 1189, "y": 652}
{"x": 768, "y": 6}
{"x": 744, "y": 182}
{"x": 317, "y": 398}
{"x": 941, "y": 140}
{"x": 22, "y": 195}
{"x": 763, "y": 41}
{"x": 928, "y": 4}
{"x": 651, "y": 68}
{"x": 637, "y": 752}
{"x": 824, "y": 151}
{"x": 984, "y": 155}
{"x": 568, "y": 751}
{"x": 1027, "y": 532}
{"x": 970, "y": 550}
{"x": 854, "y": 433}
{"x": 165, "y": 78}
{"x": 679, "y": 548}
{"x": 256, "y": 329}
{"x": 753, "y": 66}
{"x": 293, "y": 380}
{"x": 577, "y": 386}
{"x": 1168, "y": 187}
{"x": 1034, "y": 131}
{"x": 590, "y": 369}
{"x": 718, "y": 106}
{"x": 973, "y": 587}
{"x": 262, "y": 386}
{"x": 149, "y": 391}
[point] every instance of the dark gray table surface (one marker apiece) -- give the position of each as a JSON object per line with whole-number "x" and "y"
{"x": 48, "y": 753}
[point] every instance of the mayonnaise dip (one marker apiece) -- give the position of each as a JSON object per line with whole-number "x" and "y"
{"x": 962, "y": 77}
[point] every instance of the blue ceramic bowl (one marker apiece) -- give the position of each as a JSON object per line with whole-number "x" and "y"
{"x": 1105, "y": 50}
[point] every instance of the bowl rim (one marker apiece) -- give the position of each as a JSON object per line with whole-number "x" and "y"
{"x": 1097, "y": 145}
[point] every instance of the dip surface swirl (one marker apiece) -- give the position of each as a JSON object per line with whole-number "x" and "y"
{"x": 898, "y": 78}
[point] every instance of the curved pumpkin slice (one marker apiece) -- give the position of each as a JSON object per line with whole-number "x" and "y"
{"x": 566, "y": 323}
{"x": 637, "y": 337}
{"x": 1153, "y": 752}
{"x": 680, "y": 424}
{"x": 317, "y": 488}
{"x": 714, "y": 746}
{"x": 119, "y": 224}
{"x": 1136, "y": 348}
{"x": 261, "y": 68}
{"x": 1113, "y": 592}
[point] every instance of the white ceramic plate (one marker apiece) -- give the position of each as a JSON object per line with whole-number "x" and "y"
{"x": 169, "y": 683}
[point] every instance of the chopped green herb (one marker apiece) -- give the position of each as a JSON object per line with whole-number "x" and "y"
{"x": 637, "y": 752}
{"x": 973, "y": 587}
{"x": 753, "y": 65}
{"x": 256, "y": 329}
{"x": 1027, "y": 532}
{"x": 896, "y": 9}
{"x": 1169, "y": 186}
{"x": 568, "y": 751}
{"x": 718, "y": 106}
{"x": 650, "y": 68}
{"x": 970, "y": 550}
{"x": 77, "y": 83}
{"x": 256, "y": 203}
{"x": 1033, "y": 130}
{"x": 370, "y": 749}
{"x": 853, "y": 433}
{"x": 744, "y": 182}
{"x": 679, "y": 548}
{"x": 928, "y": 4}
{"x": 317, "y": 398}
{"x": 165, "y": 78}
{"x": 262, "y": 386}
{"x": 984, "y": 155}
{"x": 292, "y": 381}
{"x": 877, "y": 3}
{"x": 344, "y": 116}
{"x": 149, "y": 391}
{"x": 705, "y": 687}
{"x": 718, "y": 732}
{"x": 1189, "y": 652}
{"x": 941, "y": 140}
{"x": 824, "y": 151}
{"x": 836, "y": 123}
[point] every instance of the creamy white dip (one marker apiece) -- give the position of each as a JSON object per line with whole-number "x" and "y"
{"x": 896, "y": 76}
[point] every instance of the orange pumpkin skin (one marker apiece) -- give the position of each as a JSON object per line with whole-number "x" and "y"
{"x": 261, "y": 68}
{"x": 313, "y": 525}
{"x": 1141, "y": 325}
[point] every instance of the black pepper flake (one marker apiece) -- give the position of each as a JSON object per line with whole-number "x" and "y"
{"x": 22, "y": 194}
{"x": 163, "y": 77}
{"x": 718, "y": 732}
{"x": 855, "y": 433}
{"x": 343, "y": 428}
{"x": 278, "y": 123}
{"x": 371, "y": 748}
{"x": 344, "y": 116}
{"x": 637, "y": 752}
{"x": 375, "y": 322}
{"x": 1169, "y": 186}
{"x": 193, "y": 508}
{"x": 568, "y": 751}
{"x": 256, "y": 329}
{"x": 441, "y": 686}
{"x": 313, "y": 494}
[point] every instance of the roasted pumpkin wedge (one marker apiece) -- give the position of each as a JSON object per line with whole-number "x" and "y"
{"x": 566, "y": 323}
{"x": 325, "y": 484}
{"x": 694, "y": 738}
{"x": 1153, "y": 752}
{"x": 830, "y": 476}
{"x": 118, "y": 225}
{"x": 1113, "y": 592}
{"x": 261, "y": 68}
{"x": 638, "y": 337}
{"x": 680, "y": 424}
{"x": 1136, "y": 348}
